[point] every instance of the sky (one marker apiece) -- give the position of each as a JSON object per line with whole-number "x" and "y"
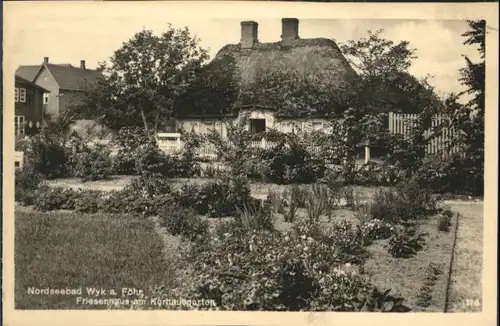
{"x": 70, "y": 33}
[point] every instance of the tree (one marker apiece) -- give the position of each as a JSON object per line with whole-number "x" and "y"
{"x": 386, "y": 84}
{"x": 144, "y": 78}
{"x": 214, "y": 90}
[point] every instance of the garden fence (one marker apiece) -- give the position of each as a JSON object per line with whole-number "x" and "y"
{"x": 401, "y": 124}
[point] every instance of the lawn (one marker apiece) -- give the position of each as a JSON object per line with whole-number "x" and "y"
{"x": 60, "y": 250}
{"x": 466, "y": 276}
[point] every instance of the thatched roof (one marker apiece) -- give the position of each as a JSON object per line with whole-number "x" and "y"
{"x": 258, "y": 69}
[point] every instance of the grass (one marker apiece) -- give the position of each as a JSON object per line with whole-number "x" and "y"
{"x": 466, "y": 276}
{"x": 70, "y": 250}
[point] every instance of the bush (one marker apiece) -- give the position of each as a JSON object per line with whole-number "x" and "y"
{"x": 299, "y": 270}
{"x": 93, "y": 163}
{"x": 27, "y": 182}
{"x": 90, "y": 201}
{"x": 376, "y": 230}
{"x": 405, "y": 243}
{"x": 219, "y": 198}
{"x": 291, "y": 162}
{"x": 47, "y": 156}
{"x": 409, "y": 201}
{"x": 54, "y": 198}
{"x": 185, "y": 222}
{"x": 147, "y": 195}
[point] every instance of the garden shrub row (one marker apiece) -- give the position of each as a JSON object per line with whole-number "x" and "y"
{"x": 302, "y": 269}
{"x": 146, "y": 195}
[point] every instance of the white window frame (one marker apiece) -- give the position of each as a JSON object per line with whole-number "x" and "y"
{"x": 208, "y": 126}
{"x": 16, "y": 94}
{"x": 45, "y": 98}
{"x": 22, "y": 95}
{"x": 19, "y": 125}
{"x": 316, "y": 124}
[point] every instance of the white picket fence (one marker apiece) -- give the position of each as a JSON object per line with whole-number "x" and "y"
{"x": 401, "y": 124}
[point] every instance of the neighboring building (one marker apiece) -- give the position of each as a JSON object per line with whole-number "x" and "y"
{"x": 29, "y": 105}
{"x": 319, "y": 57}
{"x": 64, "y": 82}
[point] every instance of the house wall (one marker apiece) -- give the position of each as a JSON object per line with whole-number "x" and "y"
{"x": 272, "y": 122}
{"x": 32, "y": 109}
{"x": 45, "y": 80}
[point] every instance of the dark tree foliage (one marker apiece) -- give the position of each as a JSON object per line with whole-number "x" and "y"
{"x": 144, "y": 78}
{"x": 386, "y": 85}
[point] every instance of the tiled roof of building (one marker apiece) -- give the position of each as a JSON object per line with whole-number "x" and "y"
{"x": 66, "y": 76}
{"x": 24, "y": 80}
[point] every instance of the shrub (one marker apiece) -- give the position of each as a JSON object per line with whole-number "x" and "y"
{"x": 54, "y": 198}
{"x": 225, "y": 196}
{"x": 416, "y": 199}
{"x": 151, "y": 159}
{"x": 184, "y": 222}
{"x": 27, "y": 182}
{"x": 90, "y": 201}
{"x": 47, "y": 156}
{"x": 146, "y": 195}
{"x": 191, "y": 196}
{"x": 405, "y": 243}
{"x": 444, "y": 221}
{"x": 348, "y": 240}
{"x": 291, "y": 162}
{"x": 93, "y": 164}
{"x": 386, "y": 206}
{"x": 376, "y": 230}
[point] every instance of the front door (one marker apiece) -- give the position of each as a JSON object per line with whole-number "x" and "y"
{"x": 257, "y": 125}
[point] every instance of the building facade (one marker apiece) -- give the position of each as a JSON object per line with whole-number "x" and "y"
{"x": 65, "y": 83}
{"x": 29, "y": 103}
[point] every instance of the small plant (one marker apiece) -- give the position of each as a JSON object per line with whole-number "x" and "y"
{"x": 275, "y": 199}
{"x": 256, "y": 216}
{"x": 424, "y": 296}
{"x": 444, "y": 221}
{"x": 294, "y": 198}
{"x": 363, "y": 213}
{"x": 376, "y": 301}
{"x": 317, "y": 201}
{"x": 184, "y": 222}
{"x": 405, "y": 243}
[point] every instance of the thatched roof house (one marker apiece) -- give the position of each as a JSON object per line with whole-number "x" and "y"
{"x": 292, "y": 78}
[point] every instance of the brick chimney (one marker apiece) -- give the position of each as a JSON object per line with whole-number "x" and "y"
{"x": 249, "y": 34}
{"x": 82, "y": 64}
{"x": 289, "y": 30}
{"x": 46, "y": 60}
